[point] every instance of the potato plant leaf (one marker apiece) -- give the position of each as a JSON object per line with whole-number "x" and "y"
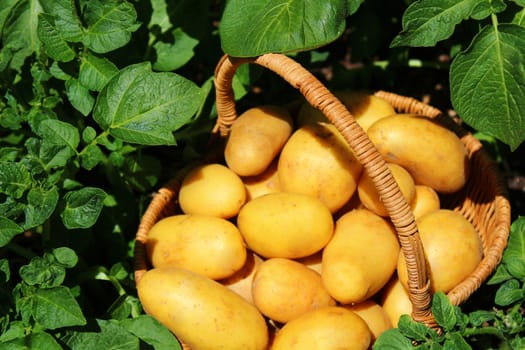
{"x": 151, "y": 332}
{"x": 56, "y": 308}
{"x": 174, "y": 54}
{"x": 79, "y": 96}
{"x": 443, "y": 311}
{"x": 514, "y": 255}
{"x": 280, "y": 25}
{"x": 412, "y": 329}
{"x": 426, "y": 22}
{"x": 14, "y": 179}
{"x": 8, "y": 230}
{"x": 41, "y": 203}
{"x": 509, "y": 292}
{"x": 54, "y": 45}
{"x": 108, "y": 335}
{"x": 37, "y": 340}
{"x": 82, "y": 207}
{"x": 392, "y": 339}
{"x": 145, "y": 107}
{"x": 488, "y": 83}
{"x": 65, "y": 19}
{"x": 95, "y": 71}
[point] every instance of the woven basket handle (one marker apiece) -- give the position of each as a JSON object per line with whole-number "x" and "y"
{"x": 320, "y": 97}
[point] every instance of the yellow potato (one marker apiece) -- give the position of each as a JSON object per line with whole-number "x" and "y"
{"x": 255, "y": 139}
{"x": 374, "y": 315}
{"x": 285, "y": 225}
{"x": 204, "y": 244}
{"x": 330, "y": 327}
{"x": 395, "y": 300}
{"x": 241, "y": 281}
{"x": 425, "y": 201}
{"x": 284, "y": 289}
{"x": 364, "y": 107}
{"x": 201, "y": 312}
{"x": 360, "y": 258}
{"x": 369, "y": 195}
{"x": 212, "y": 189}
{"x": 452, "y": 247}
{"x": 318, "y": 162}
{"x": 267, "y": 182}
{"x": 433, "y": 155}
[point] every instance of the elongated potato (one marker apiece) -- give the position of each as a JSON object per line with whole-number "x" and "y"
{"x": 285, "y": 225}
{"x": 360, "y": 258}
{"x": 329, "y": 327}
{"x": 204, "y": 244}
{"x": 255, "y": 139}
{"x": 433, "y": 155}
{"x": 201, "y": 312}
{"x": 284, "y": 289}
{"x": 318, "y": 162}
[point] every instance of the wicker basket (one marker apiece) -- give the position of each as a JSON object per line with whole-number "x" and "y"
{"x": 482, "y": 201}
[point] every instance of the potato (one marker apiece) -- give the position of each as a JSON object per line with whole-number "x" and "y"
{"x": 267, "y": 182}
{"x": 284, "y": 289}
{"x": 255, "y": 139}
{"x": 433, "y": 155}
{"x": 318, "y": 162}
{"x": 329, "y": 327}
{"x": 364, "y": 107}
{"x": 374, "y": 315}
{"x": 285, "y": 225}
{"x": 369, "y": 196}
{"x": 452, "y": 247}
{"x": 212, "y": 189}
{"x": 241, "y": 281}
{"x": 425, "y": 201}
{"x": 360, "y": 258}
{"x": 201, "y": 312}
{"x": 204, "y": 244}
{"x": 395, "y": 301}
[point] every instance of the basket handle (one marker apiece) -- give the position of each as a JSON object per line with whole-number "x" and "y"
{"x": 320, "y": 97}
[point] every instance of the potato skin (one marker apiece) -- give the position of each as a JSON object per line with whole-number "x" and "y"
{"x": 452, "y": 247}
{"x": 433, "y": 155}
{"x": 285, "y": 225}
{"x": 329, "y": 327}
{"x": 395, "y": 301}
{"x": 317, "y": 161}
{"x": 374, "y": 315}
{"x": 425, "y": 201}
{"x": 201, "y": 312}
{"x": 204, "y": 244}
{"x": 212, "y": 189}
{"x": 350, "y": 269}
{"x": 284, "y": 289}
{"x": 255, "y": 139}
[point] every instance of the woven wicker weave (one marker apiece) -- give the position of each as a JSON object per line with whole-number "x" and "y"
{"x": 482, "y": 201}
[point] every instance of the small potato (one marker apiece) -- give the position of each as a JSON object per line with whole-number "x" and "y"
{"x": 255, "y": 139}
{"x": 369, "y": 195}
{"x": 201, "y": 312}
{"x": 452, "y": 248}
{"x": 329, "y": 327}
{"x": 374, "y": 315}
{"x": 318, "y": 162}
{"x": 204, "y": 244}
{"x": 395, "y": 301}
{"x": 284, "y": 289}
{"x": 360, "y": 258}
{"x": 285, "y": 225}
{"x": 364, "y": 107}
{"x": 425, "y": 201}
{"x": 431, "y": 153}
{"x": 267, "y": 182}
{"x": 212, "y": 189}
{"x": 241, "y": 281}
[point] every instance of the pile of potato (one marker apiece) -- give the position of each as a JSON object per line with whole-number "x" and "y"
{"x": 287, "y": 245}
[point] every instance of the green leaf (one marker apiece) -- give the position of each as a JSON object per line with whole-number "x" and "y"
{"x": 57, "y": 132}
{"x": 65, "y": 18}
{"x": 14, "y": 179}
{"x": 43, "y": 271}
{"x": 514, "y": 254}
{"x": 37, "y": 340}
{"x": 54, "y": 45}
{"x": 65, "y": 256}
{"x": 175, "y": 54}
{"x": 426, "y": 22}
{"x": 83, "y": 207}
{"x": 392, "y": 339}
{"x": 488, "y": 83}
{"x": 280, "y": 25}
{"x": 443, "y": 311}
{"x": 109, "y": 24}
{"x": 500, "y": 275}
{"x": 95, "y": 71}
{"x": 152, "y": 332}
{"x": 41, "y": 204}
{"x": 56, "y": 308}
{"x": 110, "y": 336}
{"x": 412, "y": 329}
{"x": 159, "y": 16}
{"x": 8, "y": 230}
{"x": 455, "y": 341}
{"x": 486, "y": 8}
{"x": 91, "y": 156}
{"x": 79, "y": 96}
{"x": 508, "y": 293}
{"x": 519, "y": 18}
{"x": 140, "y": 106}
{"x": 478, "y": 317}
